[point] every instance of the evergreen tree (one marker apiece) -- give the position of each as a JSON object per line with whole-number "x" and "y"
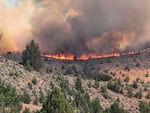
{"x": 56, "y": 103}
{"x": 95, "y": 106}
{"x": 9, "y": 100}
{"x": 32, "y": 56}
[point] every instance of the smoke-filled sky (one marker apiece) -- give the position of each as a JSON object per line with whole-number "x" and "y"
{"x": 75, "y": 26}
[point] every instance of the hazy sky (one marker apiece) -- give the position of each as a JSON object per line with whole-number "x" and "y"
{"x": 10, "y": 2}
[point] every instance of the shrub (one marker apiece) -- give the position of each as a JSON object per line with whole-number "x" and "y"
{"x": 104, "y": 89}
{"x": 68, "y": 71}
{"x": 115, "y": 108}
{"x": 96, "y": 84}
{"x": 95, "y": 106}
{"x": 114, "y": 85}
{"x": 127, "y": 68}
{"x": 144, "y": 107}
{"x": 135, "y": 85}
{"x": 105, "y": 92}
{"x": 103, "y": 77}
{"x": 30, "y": 85}
{"x": 74, "y": 69}
{"x": 78, "y": 84}
{"x": 26, "y": 110}
{"x": 89, "y": 84}
{"x": 77, "y": 99}
{"x": 126, "y": 79}
{"x": 130, "y": 92}
{"x": 14, "y": 74}
{"x": 26, "y": 97}
{"x": 139, "y": 94}
{"x": 62, "y": 67}
{"x": 41, "y": 98}
{"x": 34, "y": 81}
{"x": 147, "y": 74}
{"x": 137, "y": 65}
{"x": 36, "y": 99}
{"x": 148, "y": 96}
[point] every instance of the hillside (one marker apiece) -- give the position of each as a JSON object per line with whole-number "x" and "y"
{"x": 14, "y": 74}
{"x": 135, "y": 66}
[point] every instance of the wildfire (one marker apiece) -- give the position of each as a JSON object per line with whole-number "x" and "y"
{"x": 94, "y": 56}
{"x": 90, "y": 56}
{"x": 60, "y": 56}
{"x": 82, "y": 57}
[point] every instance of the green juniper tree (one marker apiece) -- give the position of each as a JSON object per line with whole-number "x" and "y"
{"x": 56, "y": 103}
{"x": 32, "y": 56}
{"x": 9, "y": 100}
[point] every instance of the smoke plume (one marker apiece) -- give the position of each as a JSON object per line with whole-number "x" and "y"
{"x": 76, "y": 27}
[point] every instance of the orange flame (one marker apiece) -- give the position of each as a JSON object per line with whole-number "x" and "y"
{"x": 82, "y": 57}
{"x": 90, "y": 56}
{"x": 60, "y": 56}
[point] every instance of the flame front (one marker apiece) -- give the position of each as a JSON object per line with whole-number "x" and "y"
{"x": 94, "y": 56}
{"x": 59, "y": 56}
{"x": 90, "y": 56}
{"x": 82, "y": 57}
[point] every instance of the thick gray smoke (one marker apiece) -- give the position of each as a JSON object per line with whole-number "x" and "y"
{"x": 92, "y": 26}
{"x": 85, "y": 26}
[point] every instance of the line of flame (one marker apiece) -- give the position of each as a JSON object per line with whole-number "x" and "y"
{"x": 90, "y": 56}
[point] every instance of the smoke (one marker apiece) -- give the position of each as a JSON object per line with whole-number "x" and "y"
{"x": 15, "y": 25}
{"x": 77, "y": 27}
